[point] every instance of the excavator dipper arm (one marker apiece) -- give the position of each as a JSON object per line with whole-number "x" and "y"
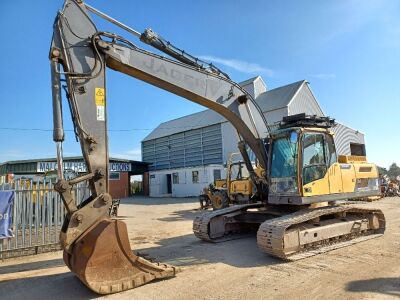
{"x": 96, "y": 247}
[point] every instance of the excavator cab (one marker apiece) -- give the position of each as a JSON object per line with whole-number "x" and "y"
{"x": 299, "y": 158}
{"x": 305, "y": 168}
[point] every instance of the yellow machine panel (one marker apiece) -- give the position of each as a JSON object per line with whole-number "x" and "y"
{"x": 317, "y": 187}
{"x": 335, "y": 179}
{"x": 354, "y": 176}
{"x": 351, "y": 159}
{"x": 348, "y": 177}
{"x": 243, "y": 187}
{"x": 220, "y": 183}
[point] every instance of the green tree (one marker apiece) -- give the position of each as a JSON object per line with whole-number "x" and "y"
{"x": 382, "y": 171}
{"x": 394, "y": 171}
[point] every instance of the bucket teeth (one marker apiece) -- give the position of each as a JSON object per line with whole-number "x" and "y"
{"x": 103, "y": 260}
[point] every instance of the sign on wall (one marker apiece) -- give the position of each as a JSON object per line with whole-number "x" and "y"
{"x": 119, "y": 167}
{"x": 80, "y": 166}
{"x": 6, "y": 209}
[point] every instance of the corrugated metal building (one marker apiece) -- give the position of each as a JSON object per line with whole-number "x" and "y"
{"x": 188, "y": 153}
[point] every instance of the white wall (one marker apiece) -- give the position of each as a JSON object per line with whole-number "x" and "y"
{"x": 344, "y": 136}
{"x": 230, "y": 137}
{"x": 229, "y": 140}
{"x": 276, "y": 115}
{"x": 185, "y": 187}
{"x": 305, "y": 102}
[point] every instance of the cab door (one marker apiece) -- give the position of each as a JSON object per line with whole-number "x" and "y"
{"x": 314, "y": 167}
{"x": 335, "y": 179}
{"x": 334, "y": 172}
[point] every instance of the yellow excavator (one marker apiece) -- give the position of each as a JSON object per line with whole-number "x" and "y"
{"x": 298, "y": 179}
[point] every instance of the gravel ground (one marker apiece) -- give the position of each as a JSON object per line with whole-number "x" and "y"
{"x": 234, "y": 269}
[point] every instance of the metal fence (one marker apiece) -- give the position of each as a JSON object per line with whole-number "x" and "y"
{"x": 38, "y": 214}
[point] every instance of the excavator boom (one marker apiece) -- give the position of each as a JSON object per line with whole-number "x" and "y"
{"x": 96, "y": 247}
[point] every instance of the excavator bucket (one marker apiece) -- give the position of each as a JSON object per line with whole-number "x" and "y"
{"x": 103, "y": 260}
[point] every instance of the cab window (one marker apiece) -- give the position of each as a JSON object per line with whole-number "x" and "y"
{"x": 330, "y": 150}
{"x": 314, "y": 157}
{"x": 239, "y": 171}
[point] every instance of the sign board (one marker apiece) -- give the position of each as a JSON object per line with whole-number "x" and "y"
{"x": 6, "y": 209}
{"x": 80, "y": 166}
{"x": 119, "y": 167}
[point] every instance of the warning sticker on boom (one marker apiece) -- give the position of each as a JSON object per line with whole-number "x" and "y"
{"x": 100, "y": 103}
{"x": 100, "y": 113}
{"x": 100, "y": 97}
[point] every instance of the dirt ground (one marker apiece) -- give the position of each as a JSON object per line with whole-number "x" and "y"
{"x": 230, "y": 270}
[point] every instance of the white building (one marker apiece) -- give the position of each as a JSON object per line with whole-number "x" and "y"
{"x": 189, "y": 153}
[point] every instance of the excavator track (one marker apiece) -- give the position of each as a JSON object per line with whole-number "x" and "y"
{"x": 201, "y": 224}
{"x": 294, "y": 236}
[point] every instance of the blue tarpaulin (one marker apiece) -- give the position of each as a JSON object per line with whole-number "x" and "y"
{"x": 6, "y": 209}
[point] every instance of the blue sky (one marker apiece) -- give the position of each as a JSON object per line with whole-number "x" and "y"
{"x": 349, "y": 50}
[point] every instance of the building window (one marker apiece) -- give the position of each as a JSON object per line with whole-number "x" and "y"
{"x": 195, "y": 176}
{"x": 357, "y": 149}
{"x": 153, "y": 179}
{"x": 175, "y": 178}
{"x": 114, "y": 176}
{"x": 217, "y": 174}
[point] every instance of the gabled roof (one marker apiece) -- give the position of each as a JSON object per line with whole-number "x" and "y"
{"x": 279, "y": 97}
{"x": 248, "y": 81}
{"x": 269, "y": 100}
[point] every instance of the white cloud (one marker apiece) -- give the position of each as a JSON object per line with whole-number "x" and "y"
{"x": 323, "y": 76}
{"x": 134, "y": 154}
{"x": 239, "y": 65}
